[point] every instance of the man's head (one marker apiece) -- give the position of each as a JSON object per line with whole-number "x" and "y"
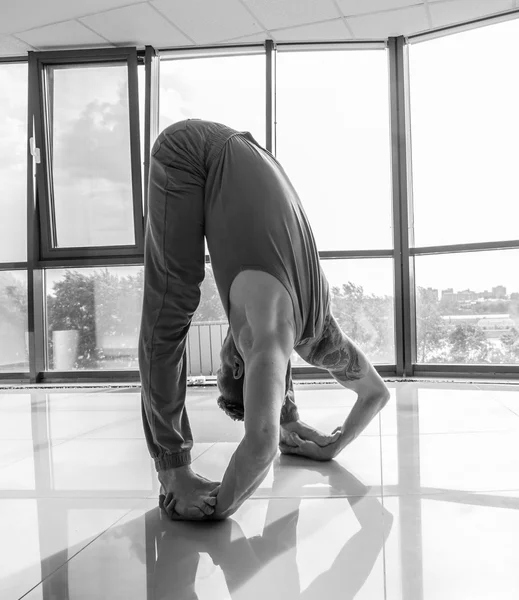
{"x": 230, "y": 377}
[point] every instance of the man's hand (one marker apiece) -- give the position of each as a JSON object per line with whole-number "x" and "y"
{"x": 302, "y": 440}
{"x": 199, "y": 509}
{"x": 186, "y": 495}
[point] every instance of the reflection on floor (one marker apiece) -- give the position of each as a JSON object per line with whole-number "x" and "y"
{"x": 423, "y": 505}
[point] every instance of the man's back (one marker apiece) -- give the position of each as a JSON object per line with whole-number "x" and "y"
{"x": 254, "y": 220}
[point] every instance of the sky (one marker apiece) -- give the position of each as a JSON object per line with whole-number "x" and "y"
{"x": 13, "y": 170}
{"x": 333, "y": 140}
{"x": 91, "y": 154}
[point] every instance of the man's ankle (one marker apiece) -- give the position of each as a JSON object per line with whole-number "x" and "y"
{"x": 175, "y": 472}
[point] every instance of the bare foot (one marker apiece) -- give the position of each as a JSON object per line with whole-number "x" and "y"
{"x": 186, "y": 495}
{"x": 308, "y": 433}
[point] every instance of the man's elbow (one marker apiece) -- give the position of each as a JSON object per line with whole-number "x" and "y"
{"x": 262, "y": 445}
{"x": 381, "y": 395}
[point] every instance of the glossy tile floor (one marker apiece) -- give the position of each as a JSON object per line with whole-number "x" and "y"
{"x": 423, "y": 505}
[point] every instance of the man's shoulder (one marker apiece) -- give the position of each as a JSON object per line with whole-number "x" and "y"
{"x": 260, "y": 306}
{"x": 257, "y": 292}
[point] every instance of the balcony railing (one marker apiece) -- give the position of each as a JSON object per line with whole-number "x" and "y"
{"x": 204, "y": 342}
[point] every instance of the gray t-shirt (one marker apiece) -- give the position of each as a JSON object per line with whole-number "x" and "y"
{"x": 254, "y": 219}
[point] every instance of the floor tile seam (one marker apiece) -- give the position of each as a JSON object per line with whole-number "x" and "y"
{"x": 82, "y": 497}
{"x": 80, "y": 435}
{"x": 382, "y": 501}
{"x": 90, "y": 410}
{"x": 365, "y": 435}
{"x": 510, "y": 409}
{"x": 107, "y": 439}
{"x": 491, "y": 491}
{"x": 447, "y": 493}
{"x": 76, "y": 554}
{"x": 428, "y": 433}
{"x": 207, "y": 449}
{"x": 306, "y": 497}
{"x": 31, "y": 455}
{"x": 122, "y": 422}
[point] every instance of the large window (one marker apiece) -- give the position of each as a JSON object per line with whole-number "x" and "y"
{"x": 468, "y": 307}
{"x": 13, "y": 322}
{"x": 87, "y": 130}
{"x": 465, "y": 126}
{"x": 91, "y": 156}
{"x": 228, "y": 90}
{"x": 363, "y": 303}
{"x": 225, "y": 89}
{"x": 93, "y": 318}
{"x": 13, "y": 162}
{"x": 332, "y": 138}
{"x": 337, "y": 124}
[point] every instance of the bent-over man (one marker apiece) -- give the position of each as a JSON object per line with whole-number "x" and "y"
{"x": 208, "y": 180}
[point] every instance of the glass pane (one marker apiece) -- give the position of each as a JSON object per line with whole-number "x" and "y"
{"x": 362, "y": 303}
{"x": 13, "y": 162}
{"x": 465, "y": 126}
{"x": 93, "y": 318}
{"x": 333, "y": 141}
{"x": 91, "y": 156}
{"x": 228, "y": 90}
{"x": 13, "y": 322}
{"x": 208, "y": 330}
{"x": 467, "y": 308}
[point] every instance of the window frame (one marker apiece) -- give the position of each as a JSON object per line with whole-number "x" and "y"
{"x": 403, "y": 252}
{"x": 496, "y": 371}
{"x": 397, "y": 366}
{"x": 39, "y": 83}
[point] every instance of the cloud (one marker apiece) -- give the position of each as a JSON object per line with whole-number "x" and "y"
{"x": 96, "y": 144}
{"x": 13, "y": 119}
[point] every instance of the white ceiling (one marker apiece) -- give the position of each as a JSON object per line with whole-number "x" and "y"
{"x": 59, "y": 24}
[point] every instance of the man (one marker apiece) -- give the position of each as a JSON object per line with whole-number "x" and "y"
{"x": 207, "y": 179}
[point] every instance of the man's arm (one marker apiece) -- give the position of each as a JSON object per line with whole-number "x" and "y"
{"x": 264, "y": 391}
{"x": 345, "y": 361}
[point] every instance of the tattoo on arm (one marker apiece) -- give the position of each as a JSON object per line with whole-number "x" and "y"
{"x": 336, "y": 353}
{"x": 289, "y": 410}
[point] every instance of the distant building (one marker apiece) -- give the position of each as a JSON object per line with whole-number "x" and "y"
{"x": 496, "y": 324}
{"x": 499, "y": 291}
{"x": 448, "y": 295}
{"x": 486, "y": 295}
{"x": 492, "y": 325}
{"x": 466, "y": 296}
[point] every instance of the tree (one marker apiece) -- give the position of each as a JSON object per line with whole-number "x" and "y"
{"x": 367, "y": 319}
{"x": 13, "y": 322}
{"x": 210, "y": 307}
{"x": 431, "y": 330}
{"x": 468, "y": 345}
{"x": 509, "y": 354}
{"x": 96, "y": 304}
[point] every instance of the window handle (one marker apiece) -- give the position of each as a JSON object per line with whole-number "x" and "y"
{"x": 35, "y": 151}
